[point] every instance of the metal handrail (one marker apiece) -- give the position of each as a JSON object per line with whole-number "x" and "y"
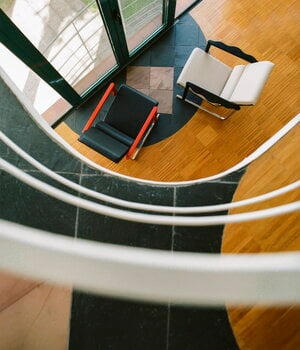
{"x": 70, "y": 75}
{"x": 68, "y": 24}
{"x": 77, "y": 48}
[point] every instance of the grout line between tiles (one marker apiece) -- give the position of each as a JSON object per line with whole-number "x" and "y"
{"x": 172, "y": 249}
{"x": 77, "y": 209}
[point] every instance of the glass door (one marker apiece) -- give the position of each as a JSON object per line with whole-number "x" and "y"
{"x": 70, "y": 34}
{"x": 140, "y": 19}
{"x": 81, "y": 50}
{"x": 75, "y": 45}
{"x": 64, "y": 42}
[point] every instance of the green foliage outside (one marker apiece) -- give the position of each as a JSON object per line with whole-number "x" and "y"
{"x": 93, "y": 8}
{"x": 5, "y": 5}
{"x": 129, "y": 7}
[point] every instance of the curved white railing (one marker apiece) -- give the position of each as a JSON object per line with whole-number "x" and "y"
{"x": 63, "y": 144}
{"x": 142, "y": 206}
{"x": 151, "y": 275}
{"x": 143, "y": 217}
{"x": 144, "y": 274}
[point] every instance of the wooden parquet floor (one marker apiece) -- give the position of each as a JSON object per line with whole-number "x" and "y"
{"x": 259, "y": 327}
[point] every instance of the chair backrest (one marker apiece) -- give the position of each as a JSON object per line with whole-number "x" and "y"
{"x": 129, "y": 110}
{"x": 245, "y": 83}
{"x": 205, "y": 71}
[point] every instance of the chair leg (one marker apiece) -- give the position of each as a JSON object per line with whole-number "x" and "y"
{"x": 205, "y": 109}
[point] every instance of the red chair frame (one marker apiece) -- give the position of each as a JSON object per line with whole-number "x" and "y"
{"x": 144, "y": 131}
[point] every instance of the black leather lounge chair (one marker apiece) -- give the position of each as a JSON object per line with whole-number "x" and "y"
{"x": 125, "y": 126}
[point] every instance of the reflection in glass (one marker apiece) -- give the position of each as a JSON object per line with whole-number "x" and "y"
{"x": 48, "y": 103}
{"x": 70, "y": 34}
{"x": 140, "y": 18}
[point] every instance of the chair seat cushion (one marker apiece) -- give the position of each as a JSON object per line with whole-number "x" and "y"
{"x": 232, "y": 81}
{"x": 251, "y": 83}
{"x": 114, "y": 133}
{"x": 104, "y": 144}
{"x": 129, "y": 110}
{"x": 205, "y": 71}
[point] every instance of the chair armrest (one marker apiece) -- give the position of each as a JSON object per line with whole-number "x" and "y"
{"x": 230, "y": 49}
{"x": 209, "y": 96}
{"x": 152, "y": 116}
{"x": 111, "y": 89}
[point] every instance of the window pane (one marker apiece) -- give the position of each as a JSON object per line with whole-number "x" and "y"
{"x": 70, "y": 34}
{"x": 49, "y": 104}
{"x": 140, "y": 19}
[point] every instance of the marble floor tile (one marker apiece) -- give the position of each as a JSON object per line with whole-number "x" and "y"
{"x": 138, "y": 77}
{"x": 144, "y": 91}
{"x": 39, "y": 320}
{"x": 165, "y": 99}
{"x": 161, "y": 78}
